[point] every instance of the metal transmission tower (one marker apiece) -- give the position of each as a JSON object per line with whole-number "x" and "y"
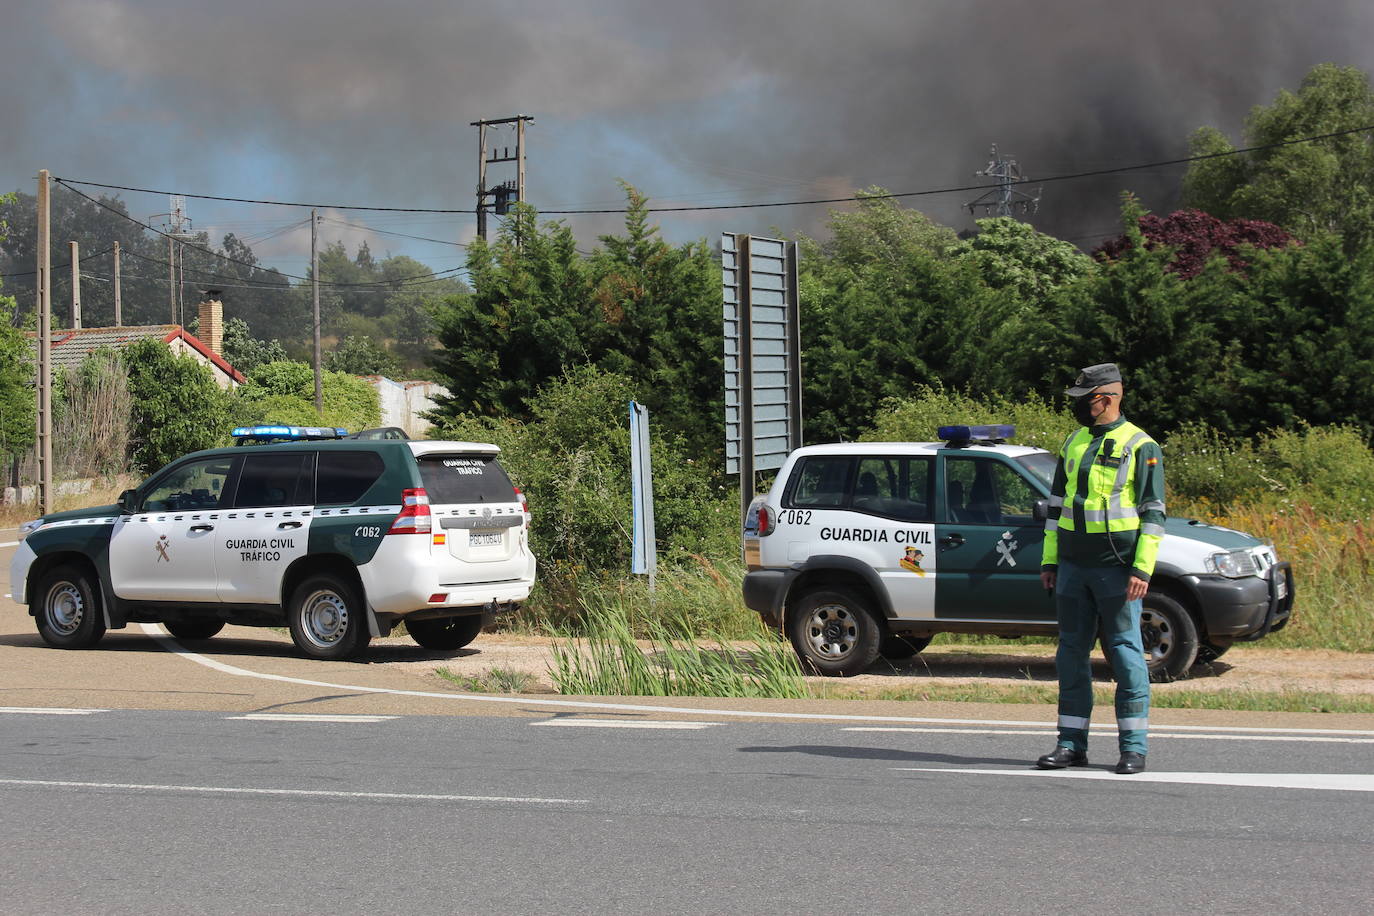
{"x": 176, "y": 226}
{"x": 507, "y": 191}
{"x": 1004, "y": 198}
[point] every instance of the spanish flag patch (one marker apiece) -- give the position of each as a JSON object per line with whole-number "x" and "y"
{"x": 1152, "y": 461}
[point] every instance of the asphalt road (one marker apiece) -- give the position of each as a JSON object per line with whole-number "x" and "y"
{"x": 140, "y": 778}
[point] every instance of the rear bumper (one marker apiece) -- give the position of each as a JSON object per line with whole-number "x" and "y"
{"x": 765, "y": 590}
{"x": 402, "y": 583}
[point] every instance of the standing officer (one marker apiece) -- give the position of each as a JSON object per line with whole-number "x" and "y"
{"x": 1105, "y": 524}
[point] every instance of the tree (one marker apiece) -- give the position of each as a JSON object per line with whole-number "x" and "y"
{"x": 1193, "y": 237}
{"x": 245, "y": 352}
{"x": 177, "y": 407}
{"x": 284, "y": 392}
{"x": 361, "y": 356}
{"x": 1309, "y": 187}
{"x": 1012, "y": 256}
{"x": 17, "y": 422}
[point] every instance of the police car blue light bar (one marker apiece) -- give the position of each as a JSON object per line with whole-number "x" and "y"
{"x": 996, "y": 433}
{"x": 289, "y": 432}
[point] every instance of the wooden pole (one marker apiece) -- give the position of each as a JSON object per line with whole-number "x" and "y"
{"x": 119, "y": 314}
{"x": 44, "y": 449}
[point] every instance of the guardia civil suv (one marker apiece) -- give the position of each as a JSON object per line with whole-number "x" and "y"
{"x": 338, "y": 539}
{"x": 872, "y": 548}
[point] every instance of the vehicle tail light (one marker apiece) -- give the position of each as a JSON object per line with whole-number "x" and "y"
{"x": 524, "y": 503}
{"x": 765, "y": 520}
{"x": 759, "y": 520}
{"x": 414, "y": 517}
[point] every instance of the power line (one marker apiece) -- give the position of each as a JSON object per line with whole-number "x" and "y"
{"x": 749, "y": 206}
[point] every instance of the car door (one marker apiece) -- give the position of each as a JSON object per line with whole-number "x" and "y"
{"x": 267, "y": 525}
{"x": 875, "y": 509}
{"x": 988, "y": 543}
{"x": 165, "y": 551}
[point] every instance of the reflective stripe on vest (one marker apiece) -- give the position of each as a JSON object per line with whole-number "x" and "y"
{"x": 1091, "y": 506}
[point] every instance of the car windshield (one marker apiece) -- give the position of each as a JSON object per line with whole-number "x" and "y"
{"x": 1041, "y": 465}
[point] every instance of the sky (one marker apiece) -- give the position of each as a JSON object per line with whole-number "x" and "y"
{"x": 343, "y": 103}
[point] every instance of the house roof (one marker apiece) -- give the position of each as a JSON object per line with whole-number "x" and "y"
{"x": 70, "y": 347}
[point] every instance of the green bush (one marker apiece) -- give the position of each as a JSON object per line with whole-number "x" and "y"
{"x": 572, "y": 459}
{"x": 917, "y": 418}
{"x": 284, "y": 392}
{"x": 177, "y": 407}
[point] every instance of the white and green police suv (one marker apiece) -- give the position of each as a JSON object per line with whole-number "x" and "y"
{"x": 338, "y": 538}
{"x": 868, "y": 548}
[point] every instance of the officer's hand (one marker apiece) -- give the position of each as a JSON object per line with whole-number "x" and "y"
{"x": 1135, "y": 588}
{"x": 1048, "y": 578}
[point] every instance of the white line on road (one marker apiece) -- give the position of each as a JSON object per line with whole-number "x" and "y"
{"x": 1337, "y": 782}
{"x": 622, "y": 723}
{"x": 303, "y": 793}
{"x": 172, "y": 645}
{"x": 308, "y": 717}
{"x": 9, "y": 544}
{"x": 48, "y": 711}
{"x": 1155, "y": 732}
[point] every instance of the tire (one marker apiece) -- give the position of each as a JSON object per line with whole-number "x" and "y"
{"x": 327, "y": 619}
{"x": 834, "y": 633}
{"x": 895, "y": 646}
{"x": 193, "y": 629}
{"x": 1169, "y": 636}
{"x": 445, "y": 633}
{"x": 67, "y": 608}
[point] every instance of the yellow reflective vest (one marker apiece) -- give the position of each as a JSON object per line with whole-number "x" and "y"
{"x": 1107, "y": 500}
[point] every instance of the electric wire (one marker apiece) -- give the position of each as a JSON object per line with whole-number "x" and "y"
{"x": 1092, "y": 173}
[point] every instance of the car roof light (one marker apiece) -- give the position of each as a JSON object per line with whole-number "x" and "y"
{"x": 956, "y": 436}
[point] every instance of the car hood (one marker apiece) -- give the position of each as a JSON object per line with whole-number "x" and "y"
{"x": 91, "y": 512}
{"x": 1215, "y": 535}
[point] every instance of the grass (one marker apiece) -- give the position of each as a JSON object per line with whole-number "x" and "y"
{"x": 495, "y": 680}
{"x": 605, "y": 657}
{"x": 1173, "y": 697}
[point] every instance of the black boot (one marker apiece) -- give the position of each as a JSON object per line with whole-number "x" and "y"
{"x": 1062, "y": 757}
{"x": 1131, "y": 763}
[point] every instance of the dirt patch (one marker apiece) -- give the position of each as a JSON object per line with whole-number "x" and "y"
{"x": 1243, "y": 668}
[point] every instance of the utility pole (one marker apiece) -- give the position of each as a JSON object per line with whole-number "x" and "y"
{"x": 44, "y": 444}
{"x": 508, "y": 189}
{"x": 1003, "y": 198}
{"x": 119, "y": 314}
{"x": 315, "y": 283}
{"x": 76, "y": 285}
{"x": 176, "y": 227}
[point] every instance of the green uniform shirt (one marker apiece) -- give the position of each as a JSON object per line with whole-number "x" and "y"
{"x": 1107, "y": 500}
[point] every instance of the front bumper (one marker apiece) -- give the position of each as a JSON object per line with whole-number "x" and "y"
{"x": 1244, "y": 609}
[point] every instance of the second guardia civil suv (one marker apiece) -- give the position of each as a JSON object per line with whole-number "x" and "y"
{"x": 338, "y": 539}
{"x": 872, "y": 548}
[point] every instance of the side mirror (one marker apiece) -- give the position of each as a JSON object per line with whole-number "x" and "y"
{"x": 1040, "y": 510}
{"x": 128, "y": 501}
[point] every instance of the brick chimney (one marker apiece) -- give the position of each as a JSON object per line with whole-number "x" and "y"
{"x": 211, "y": 330}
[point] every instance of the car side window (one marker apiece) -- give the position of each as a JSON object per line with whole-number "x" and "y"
{"x": 273, "y": 479}
{"x": 343, "y": 477}
{"x": 985, "y": 491}
{"x": 194, "y": 485}
{"x": 822, "y": 481}
{"x": 897, "y": 488}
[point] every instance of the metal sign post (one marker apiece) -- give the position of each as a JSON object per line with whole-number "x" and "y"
{"x": 645, "y": 553}
{"x": 763, "y": 418}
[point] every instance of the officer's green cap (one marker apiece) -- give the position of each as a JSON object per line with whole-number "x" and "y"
{"x": 1094, "y": 377}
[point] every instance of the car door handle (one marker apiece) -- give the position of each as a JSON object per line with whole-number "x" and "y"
{"x": 952, "y": 540}
{"x": 202, "y": 527}
{"x": 289, "y": 525}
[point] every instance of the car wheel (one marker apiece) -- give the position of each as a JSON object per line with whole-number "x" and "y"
{"x": 194, "y": 629}
{"x": 833, "y": 633}
{"x": 896, "y": 646}
{"x": 327, "y": 619}
{"x": 445, "y": 632}
{"x": 68, "y": 609}
{"x": 1169, "y": 636}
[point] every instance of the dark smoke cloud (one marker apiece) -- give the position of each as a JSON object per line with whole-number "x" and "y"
{"x": 349, "y": 101}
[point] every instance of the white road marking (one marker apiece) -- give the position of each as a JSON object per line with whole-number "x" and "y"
{"x": 9, "y": 544}
{"x": 302, "y": 793}
{"x": 48, "y": 711}
{"x": 1336, "y": 782}
{"x": 1155, "y": 732}
{"x": 171, "y": 645}
{"x": 308, "y": 717}
{"x": 622, "y": 723}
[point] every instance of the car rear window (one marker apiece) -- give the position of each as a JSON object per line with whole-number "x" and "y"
{"x": 343, "y": 477}
{"x": 452, "y": 479}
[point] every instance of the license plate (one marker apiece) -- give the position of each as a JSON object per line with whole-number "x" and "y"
{"x": 485, "y": 538}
